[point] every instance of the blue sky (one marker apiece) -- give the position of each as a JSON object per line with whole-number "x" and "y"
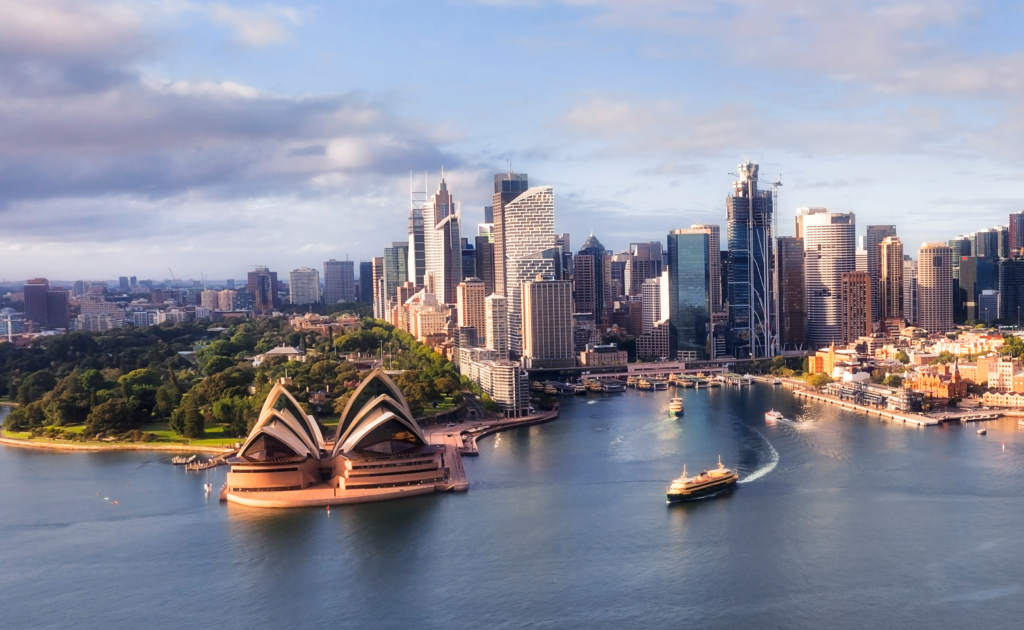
{"x": 210, "y": 137}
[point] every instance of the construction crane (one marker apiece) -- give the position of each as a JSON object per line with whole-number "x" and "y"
{"x": 174, "y": 281}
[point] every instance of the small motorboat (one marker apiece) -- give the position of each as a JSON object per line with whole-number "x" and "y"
{"x": 773, "y": 416}
{"x": 982, "y": 431}
{"x": 777, "y": 381}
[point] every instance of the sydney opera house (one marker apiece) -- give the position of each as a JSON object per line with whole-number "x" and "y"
{"x": 378, "y": 452}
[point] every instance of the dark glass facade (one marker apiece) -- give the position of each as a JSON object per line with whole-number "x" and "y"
{"x": 977, "y": 274}
{"x": 792, "y": 293}
{"x": 1011, "y": 288}
{"x": 366, "y": 282}
{"x": 689, "y": 294}
{"x": 396, "y": 266}
{"x": 749, "y": 241}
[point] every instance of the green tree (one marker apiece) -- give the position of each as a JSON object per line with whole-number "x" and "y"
{"x": 902, "y": 357}
{"x": 113, "y": 415}
{"x": 818, "y": 381}
{"x": 892, "y": 381}
{"x": 35, "y": 386}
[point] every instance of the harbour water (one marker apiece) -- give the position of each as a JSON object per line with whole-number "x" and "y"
{"x": 840, "y": 521}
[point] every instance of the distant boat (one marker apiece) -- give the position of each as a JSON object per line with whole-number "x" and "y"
{"x": 675, "y": 407}
{"x": 180, "y": 460}
{"x": 982, "y": 431}
{"x": 777, "y": 381}
{"x": 773, "y": 416}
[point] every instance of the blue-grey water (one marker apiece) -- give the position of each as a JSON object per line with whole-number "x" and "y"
{"x": 844, "y": 522}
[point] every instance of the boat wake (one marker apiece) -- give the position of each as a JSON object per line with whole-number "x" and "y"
{"x": 773, "y": 461}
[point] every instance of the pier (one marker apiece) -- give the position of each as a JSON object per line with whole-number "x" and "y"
{"x": 881, "y": 413}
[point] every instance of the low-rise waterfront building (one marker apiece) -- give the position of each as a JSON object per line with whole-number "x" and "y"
{"x": 603, "y": 355}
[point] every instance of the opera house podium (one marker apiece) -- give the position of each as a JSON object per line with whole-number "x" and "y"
{"x": 378, "y": 453}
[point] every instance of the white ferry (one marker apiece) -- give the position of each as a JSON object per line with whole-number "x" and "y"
{"x": 773, "y": 416}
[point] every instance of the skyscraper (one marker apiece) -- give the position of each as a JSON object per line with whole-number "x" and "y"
{"x": 366, "y": 282}
{"x": 977, "y": 274}
{"x": 122, "y": 283}
{"x": 442, "y": 243}
{"x": 468, "y": 259}
{"x": 264, "y": 291}
{"x": 1004, "y": 240}
{"x": 508, "y": 186}
{"x": 985, "y": 242}
{"x": 1011, "y": 289}
{"x": 714, "y": 233}
{"x": 935, "y": 287}
{"x": 1016, "y": 233}
{"x": 872, "y": 244}
{"x": 339, "y": 281}
{"x": 792, "y": 293}
{"x": 910, "y": 290}
{"x": 647, "y": 262}
{"x": 379, "y": 291}
{"x": 689, "y": 293}
{"x": 891, "y": 279}
{"x": 35, "y": 302}
{"x": 472, "y": 311}
{"x": 829, "y": 251}
{"x": 527, "y": 238}
{"x": 496, "y": 314}
{"x": 417, "y": 255}
{"x": 592, "y": 272}
{"x": 751, "y": 268}
{"x": 547, "y": 324}
{"x": 396, "y": 270}
{"x": 484, "y": 263}
{"x": 304, "y": 286}
{"x": 855, "y": 306}
{"x": 651, "y": 304}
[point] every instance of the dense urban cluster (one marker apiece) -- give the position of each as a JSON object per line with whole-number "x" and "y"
{"x": 513, "y": 296}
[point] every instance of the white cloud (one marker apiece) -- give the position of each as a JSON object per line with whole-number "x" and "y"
{"x": 253, "y": 28}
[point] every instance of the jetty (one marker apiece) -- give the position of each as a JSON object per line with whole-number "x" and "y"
{"x": 897, "y": 416}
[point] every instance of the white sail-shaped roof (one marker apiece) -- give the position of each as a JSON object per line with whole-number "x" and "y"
{"x": 288, "y": 424}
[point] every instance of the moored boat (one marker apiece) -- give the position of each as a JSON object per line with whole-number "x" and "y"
{"x": 706, "y": 484}
{"x": 675, "y": 406}
{"x": 644, "y": 384}
{"x": 777, "y": 381}
{"x": 773, "y": 416}
{"x": 631, "y": 381}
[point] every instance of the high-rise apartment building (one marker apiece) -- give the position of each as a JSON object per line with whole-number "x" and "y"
{"x": 262, "y": 284}
{"x": 689, "y": 293}
{"x": 210, "y": 299}
{"x": 122, "y": 284}
{"x": 650, "y": 301}
{"x": 829, "y": 251}
{"x": 226, "y": 299}
{"x": 890, "y": 283}
{"x": 366, "y": 281}
{"x": 855, "y": 306}
{"x": 1016, "y": 233}
{"x": 496, "y": 324}
{"x": 935, "y": 287}
{"x": 872, "y": 244}
{"x": 339, "y": 281}
{"x": 792, "y": 293}
{"x": 547, "y": 324}
{"x": 304, "y": 286}
{"x": 507, "y": 187}
{"x": 910, "y": 290}
{"x": 961, "y": 246}
{"x": 80, "y": 288}
{"x": 472, "y": 311}
{"x": 751, "y": 268}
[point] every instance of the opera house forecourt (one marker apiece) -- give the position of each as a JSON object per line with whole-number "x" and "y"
{"x": 378, "y": 452}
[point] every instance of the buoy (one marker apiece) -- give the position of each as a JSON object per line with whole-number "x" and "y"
{"x": 328, "y": 510}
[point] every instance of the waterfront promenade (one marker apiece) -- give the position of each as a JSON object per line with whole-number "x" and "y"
{"x": 801, "y": 390}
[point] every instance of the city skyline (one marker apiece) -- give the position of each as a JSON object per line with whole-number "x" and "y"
{"x": 215, "y": 136}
